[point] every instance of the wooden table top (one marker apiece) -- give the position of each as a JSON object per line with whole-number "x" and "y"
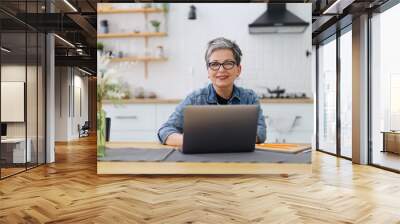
{"x": 134, "y": 167}
{"x": 288, "y": 148}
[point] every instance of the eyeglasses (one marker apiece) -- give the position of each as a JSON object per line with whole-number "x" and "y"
{"x": 227, "y": 65}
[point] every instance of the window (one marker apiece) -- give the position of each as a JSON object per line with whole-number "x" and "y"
{"x": 327, "y": 97}
{"x": 385, "y": 88}
{"x": 346, "y": 94}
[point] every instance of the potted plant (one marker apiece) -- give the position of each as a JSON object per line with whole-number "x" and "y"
{"x": 156, "y": 25}
{"x": 165, "y": 7}
{"x": 100, "y": 47}
{"x": 107, "y": 88}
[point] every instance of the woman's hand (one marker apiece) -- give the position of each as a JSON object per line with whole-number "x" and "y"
{"x": 175, "y": 139}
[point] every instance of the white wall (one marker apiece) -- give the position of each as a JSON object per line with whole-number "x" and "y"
{"x": 17, "y": 73}
{"x": 61, "y": 103}
{"x": 68, "y": 81}
{"x": 79, "y": 117}
{"x": 14, "y": 73}
{"x": 268, "y": 60}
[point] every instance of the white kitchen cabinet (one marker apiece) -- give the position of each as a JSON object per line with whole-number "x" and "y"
{"x": 163, "y": 111}
{"x": 291, "y": 123}
{"x": 131, "y": 122}
{"x": 132, "y": 117}
{"x": 146, "y": 136}
{"x": 137, "y": 122}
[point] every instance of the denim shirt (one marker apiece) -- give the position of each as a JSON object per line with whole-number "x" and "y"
{"x": 207, "y": 96}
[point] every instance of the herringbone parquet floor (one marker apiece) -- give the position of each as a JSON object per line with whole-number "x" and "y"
{"x": 70, "y": 191}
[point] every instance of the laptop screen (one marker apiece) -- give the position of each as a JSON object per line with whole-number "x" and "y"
{"x": 217, "y": 129}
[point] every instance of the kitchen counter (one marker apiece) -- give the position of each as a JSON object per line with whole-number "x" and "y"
{"x": 176, "y": 101}
{"x": 290, "y": 120}
{"x": 135, "y": 167}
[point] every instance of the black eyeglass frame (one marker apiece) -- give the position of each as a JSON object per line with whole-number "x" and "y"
{"x": 223, "y": 65}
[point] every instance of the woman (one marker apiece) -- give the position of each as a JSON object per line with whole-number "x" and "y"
{"x": 223, "y": 65}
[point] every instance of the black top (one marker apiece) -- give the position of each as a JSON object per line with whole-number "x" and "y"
{"x": 221, "y": 100}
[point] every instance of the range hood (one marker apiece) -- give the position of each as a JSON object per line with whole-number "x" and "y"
{"x": 277, "y": 19}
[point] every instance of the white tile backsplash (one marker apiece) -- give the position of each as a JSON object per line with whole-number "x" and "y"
{"x": 268, "y": 59}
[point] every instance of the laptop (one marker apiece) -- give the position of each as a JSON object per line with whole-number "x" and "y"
{"x": 219, "y": 129}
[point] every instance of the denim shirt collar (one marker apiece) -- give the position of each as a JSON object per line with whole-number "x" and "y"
{"x": 212, "y": 94}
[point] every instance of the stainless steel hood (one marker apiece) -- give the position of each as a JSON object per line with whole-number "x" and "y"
{"x": 277, "y": 19}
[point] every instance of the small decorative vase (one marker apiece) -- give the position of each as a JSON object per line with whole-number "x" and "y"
{"x": 101, "y": 133}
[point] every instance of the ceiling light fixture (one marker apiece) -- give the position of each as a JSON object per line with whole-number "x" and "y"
{"x": 70, "y": 5}
{"x": 65, "y": 41}
{"x": 86, "y": 72}
{"x": 5, "y": 49}
{"x": 337, "y": 7}
{"x": 80, "y": 51}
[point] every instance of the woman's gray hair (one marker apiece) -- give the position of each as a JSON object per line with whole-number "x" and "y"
{"x": 223, "y": 43}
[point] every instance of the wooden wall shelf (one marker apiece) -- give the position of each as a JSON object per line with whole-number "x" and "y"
{"x": 132, "y": 10}
{"x": 145, "y": 35}
{"x": 133, "y": 59}
{"x": 132, "y": 34}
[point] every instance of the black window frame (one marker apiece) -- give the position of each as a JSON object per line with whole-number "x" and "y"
{"x": 30, "y": 29}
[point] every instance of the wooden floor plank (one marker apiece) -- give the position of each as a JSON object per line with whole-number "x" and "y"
{"x": 70, "y": 191}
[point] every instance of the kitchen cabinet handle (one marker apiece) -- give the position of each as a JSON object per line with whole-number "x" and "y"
{"x": 126, "y": 117}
